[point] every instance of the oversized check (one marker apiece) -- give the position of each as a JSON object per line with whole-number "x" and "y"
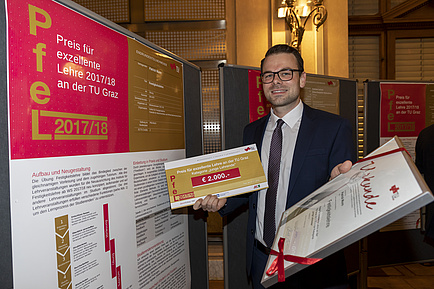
{"x": 378, "y": 190}
{"x": 225, "y": 174}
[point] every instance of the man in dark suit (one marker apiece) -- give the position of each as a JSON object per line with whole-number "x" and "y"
{"x": 316, "y": 146}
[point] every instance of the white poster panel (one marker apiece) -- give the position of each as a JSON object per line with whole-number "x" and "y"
{"x": 93, "y": 117}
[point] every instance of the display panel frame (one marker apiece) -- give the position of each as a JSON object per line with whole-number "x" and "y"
{"x": 193, "y": 146}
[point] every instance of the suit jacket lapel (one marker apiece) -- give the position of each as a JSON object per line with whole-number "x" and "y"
{"x": 260, "y": 131}
{"x": 304, "y": 140}
{"x": 258, "y": 137}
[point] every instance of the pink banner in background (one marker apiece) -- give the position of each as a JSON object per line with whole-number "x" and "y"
{"x": 68, "y": 83}
{"x": 402, "y": 110}
{"x": 258, "y": 104}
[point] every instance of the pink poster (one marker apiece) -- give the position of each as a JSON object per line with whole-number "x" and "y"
{"x": 258, "y": 104}
{"x": 70, "y": 95}
{"x": 402, "y": 109}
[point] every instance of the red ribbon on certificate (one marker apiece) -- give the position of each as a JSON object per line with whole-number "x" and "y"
{"x": 384, "y": 154}
{"x": 278, "y": 264}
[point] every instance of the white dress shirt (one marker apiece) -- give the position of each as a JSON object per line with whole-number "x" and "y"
{"x": 290, "y": 131}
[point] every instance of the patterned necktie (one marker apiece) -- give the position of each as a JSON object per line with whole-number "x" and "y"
{"x": 273, "y": 181}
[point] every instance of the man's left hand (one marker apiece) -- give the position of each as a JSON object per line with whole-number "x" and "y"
{"x": 341, "y": 169}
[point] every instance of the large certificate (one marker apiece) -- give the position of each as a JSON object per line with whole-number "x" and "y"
{"x": 378, "y": 190}
{"x": 225, "y": 174}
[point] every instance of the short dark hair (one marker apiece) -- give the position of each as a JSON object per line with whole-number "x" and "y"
{"x": 284, "y": 48}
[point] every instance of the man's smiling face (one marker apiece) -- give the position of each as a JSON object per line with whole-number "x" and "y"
{"x": 283, "y": 95}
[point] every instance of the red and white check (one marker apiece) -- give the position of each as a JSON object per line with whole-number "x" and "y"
{"x": 225, "y": 174}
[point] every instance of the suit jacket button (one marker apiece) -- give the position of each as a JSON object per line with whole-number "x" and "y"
{"x": 254, "y": 206}
{"x": 251, "y": 231}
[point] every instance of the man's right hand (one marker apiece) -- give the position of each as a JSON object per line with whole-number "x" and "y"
{"x": 210, "y": 203}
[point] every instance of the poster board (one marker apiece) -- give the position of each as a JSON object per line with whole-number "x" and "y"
{"x": 321, "y": 92}
{"x": 385, "y": 102}
{"x": 86, "y": 140}
{"x": 237, "y": 83}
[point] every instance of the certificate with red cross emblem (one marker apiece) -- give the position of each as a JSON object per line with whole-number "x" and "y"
{"x": 378, "y": 190}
